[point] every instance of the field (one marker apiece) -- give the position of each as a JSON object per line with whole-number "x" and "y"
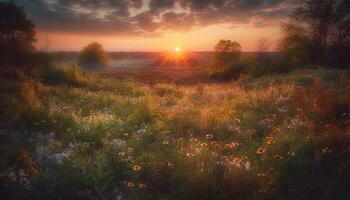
{"x": 87, "y": 136}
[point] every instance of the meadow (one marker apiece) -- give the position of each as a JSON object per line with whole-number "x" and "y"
{"x": 68, "y": 134}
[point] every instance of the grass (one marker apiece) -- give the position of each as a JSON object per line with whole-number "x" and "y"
{"x": 66, "y": 134}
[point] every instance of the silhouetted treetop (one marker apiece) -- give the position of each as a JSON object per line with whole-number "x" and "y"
{"x": 17, "y": 33}
{"x": 93, "y": 56}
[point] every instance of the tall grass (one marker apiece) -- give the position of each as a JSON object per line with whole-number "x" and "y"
{"x": 77, "y": 136}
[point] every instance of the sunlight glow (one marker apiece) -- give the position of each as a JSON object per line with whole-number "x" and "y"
{"x": 177, "y": 49}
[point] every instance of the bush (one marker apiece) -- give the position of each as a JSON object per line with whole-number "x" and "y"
{"x": 70, "y": 76}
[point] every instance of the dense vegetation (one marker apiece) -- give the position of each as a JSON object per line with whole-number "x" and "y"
{"x": 278, "y": 137}
{"x": 93, "y": 56}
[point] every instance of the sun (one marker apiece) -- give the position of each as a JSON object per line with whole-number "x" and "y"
{"x": 177, "y": 49}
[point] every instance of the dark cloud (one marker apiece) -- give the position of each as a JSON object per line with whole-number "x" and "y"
{"x": 142, "y": 17}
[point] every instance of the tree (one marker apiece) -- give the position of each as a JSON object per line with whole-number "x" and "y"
{"x": 226, "y": 54}
{"x": 321, "y": 30}
{"x": 93, "y": 56}
{"x": 17, "y": 34}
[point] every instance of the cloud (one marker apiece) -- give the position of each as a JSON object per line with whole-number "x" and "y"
{"x": 151, "y": 17}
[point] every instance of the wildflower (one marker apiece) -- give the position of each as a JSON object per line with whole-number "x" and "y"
{"x": 189, "y": 154}
{"x": 121, "y": 154}
{"x": 260, "y": 174}
{"x": 140, "y": 133}
{"x": 204, "y": 144}
{"x": 270, "y": 141}
{"x": 209, "y": 136}
{"x": 237, "y": 160}
{"x": 126, "y": 134}
{"x": 170, "y": 164}
{"x": 165, "y": 142}
{"x": 164, "y": 132}
{"x": 291, "y": 153}
{"x": 296, "y": 123}
{"x": 326, "y": 150}
{"x": 194, "y": 140}
{"x": 219, "y": 163}
{"x": 136, "y": 168}
{"x": 279, "y": 157}
{"x": 130, "y": 184}
{"x": 142, "y": 185}
{"x": 261, "y": 150}
{"x": 233, "y": 145}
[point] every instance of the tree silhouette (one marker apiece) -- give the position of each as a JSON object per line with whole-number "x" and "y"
{"x": 17, "y": 34}
{"x": 319, "y": 29}
{"x": 226, "y": 54}
{"x": 93, "y": 56}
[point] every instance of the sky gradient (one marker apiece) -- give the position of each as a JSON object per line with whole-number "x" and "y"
{"x": 155, "y": 25}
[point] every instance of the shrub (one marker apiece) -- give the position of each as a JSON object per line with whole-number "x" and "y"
{"x": 70, "y": 76}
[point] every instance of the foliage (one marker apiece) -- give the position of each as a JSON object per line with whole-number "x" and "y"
{"x": 318, "y": 33}
{"x": 226, "y": 55}
{"x": 273, "y": 137}
{"x": 17, "y": 34}
{"x": 71, "y": 76}
{"x": 93, "y": 57}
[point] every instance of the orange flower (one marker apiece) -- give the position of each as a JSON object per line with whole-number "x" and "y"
{"x": 136, "y": 167}
{"x": 204, "y": 144}
{"x": 130, "y": 184}
{"x": 260, "y": 174}
{"x": 326, "y": 150}
{"x": 270, "y": 141}
{"x": 237, "y": 160}
{"x": 261, "y": 150}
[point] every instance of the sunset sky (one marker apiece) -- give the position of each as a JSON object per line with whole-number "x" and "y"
{"x": 155, "y": 25}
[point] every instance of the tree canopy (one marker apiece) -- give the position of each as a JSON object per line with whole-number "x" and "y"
{"x": 318, "y": 32}
{"x": 93, "y": 56}
{"x": 226, "y": 55}
{"x": 17, "y": 34}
